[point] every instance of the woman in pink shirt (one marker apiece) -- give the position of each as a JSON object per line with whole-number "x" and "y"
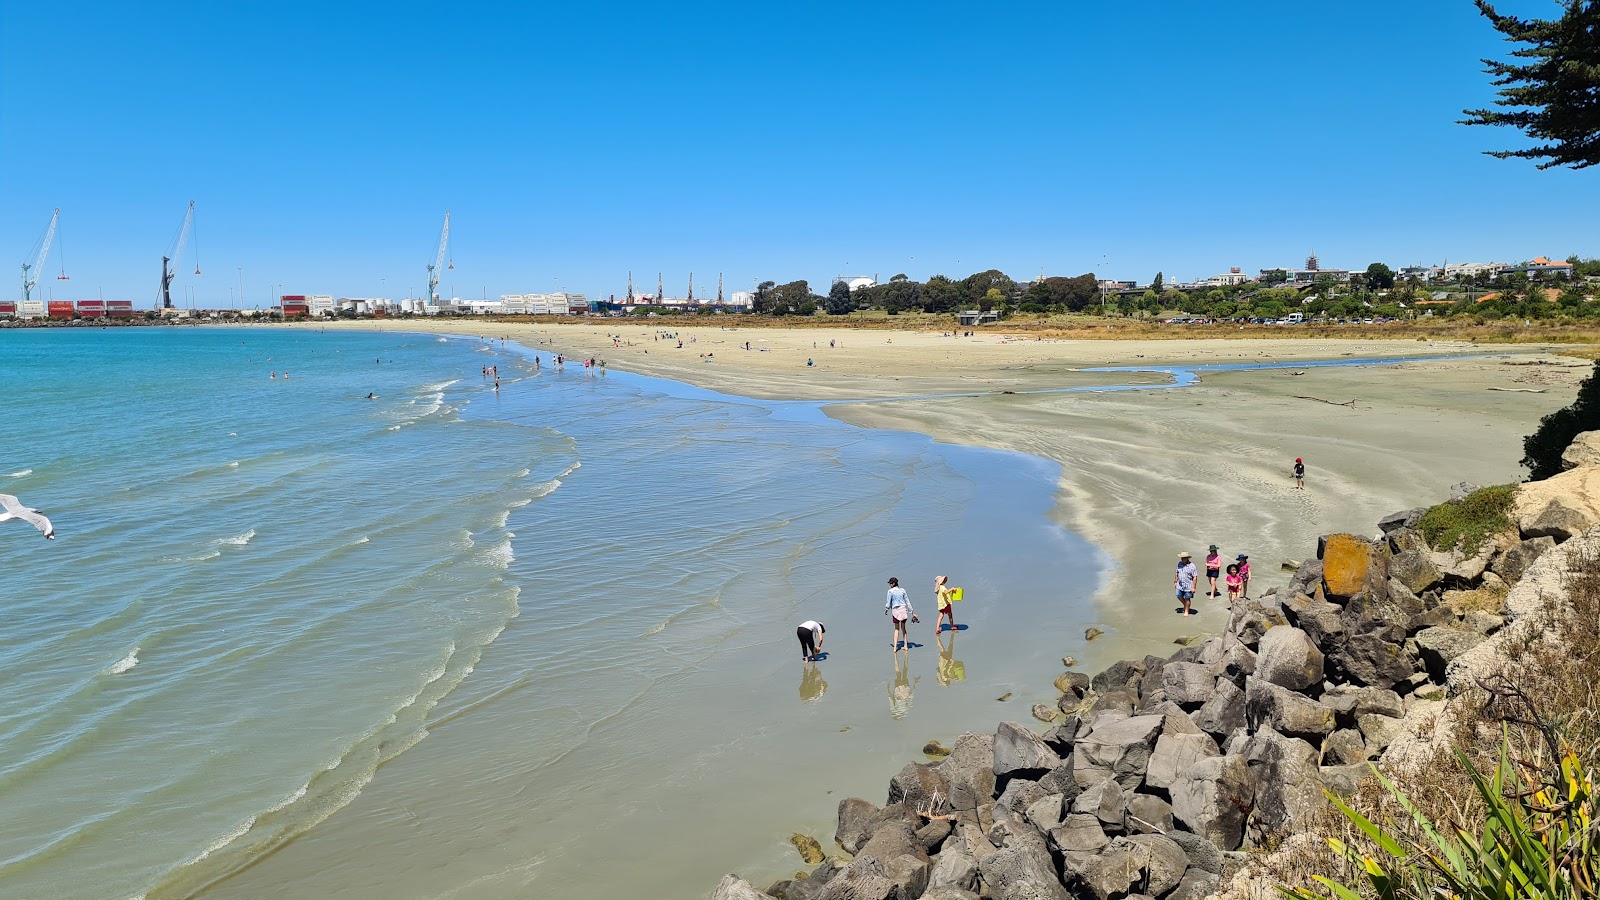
{"x": 1213, "y": 569}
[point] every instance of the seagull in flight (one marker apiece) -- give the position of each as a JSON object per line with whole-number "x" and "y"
{"x": 12, "y": 508}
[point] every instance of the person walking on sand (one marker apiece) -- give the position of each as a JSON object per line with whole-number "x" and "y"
{"x": 1235, "y": 583}
{"x": 1244, "y": 575}
{"x": 898, "y": 608}
{"x": 942, "y": 592}
{"x": 810, "y": 633}
{"x": 1183, "y": 583}
{"x": 1213, "y": 569}
{"x": 1299, "y": 474}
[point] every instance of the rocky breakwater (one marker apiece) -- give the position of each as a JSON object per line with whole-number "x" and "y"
{"x": 1157, "y": 772}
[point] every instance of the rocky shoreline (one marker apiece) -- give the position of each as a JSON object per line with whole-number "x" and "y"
{"x": 1157, "y": 772}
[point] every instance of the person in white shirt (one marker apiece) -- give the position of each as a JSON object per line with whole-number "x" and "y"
{"x": 898, "y": 608}
{"x": 810, "y": 633}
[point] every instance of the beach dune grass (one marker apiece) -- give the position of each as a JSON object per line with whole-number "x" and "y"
{"x": 1468, "y": 522}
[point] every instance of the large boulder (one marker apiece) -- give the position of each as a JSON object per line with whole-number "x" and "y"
{"x": 1174, "y": 753}
{"x": 1583, "y": 451}
{"x": 1167, "y": 863}
{"x": 1350, "y": 565}
{"x": 1045, "y": 812}
{"x": 1344, "y": 747}
{"x": 1268, "y": 705}
{"x": 1253, "y": 618}
{"x": 1288, "y": 657}
{"x": 1023, "y": 870}
{"x": 1224, "y": 712}
{"x": 969, "y": 770}
{"x": 1319, "y": 619}
{"x": 1120, "y": 675}
{"x": 1414, "y": 569}
{"x": 1515, "y": 559}
{"x": 1203, "y": 855}
{"x": 732, "y": 887}
{"x": 866, "y": 878}
{"x": 1440, "y": 646}
{"x": 915, "y": 784}
{"x": 1379, "y": 731}
{"x": 1188, "y": 684}
{"x": 1212, "y": 797}
{"x": 1559, "y": 507}
{"x": 857, "y": 818}
{"x": 1115, "y": 871}
{"x": 1019, "y": 753}
{"x": 1079, "y": 833}
{"x": 1123, "y": 747}
{"x": 1149, "y": 814}
{"x": 1288, "y": 785}
{"x": 891, "y": 841}
{"x": 1106, "y": 801}
{"x": 1405, "y": 518}
{"x": 1306, "y": 578}
{"x": 954, "y": 869}
{"x": 1371, "y": 660}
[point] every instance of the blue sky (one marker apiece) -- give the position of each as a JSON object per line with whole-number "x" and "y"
{"x": 323, "y": 142}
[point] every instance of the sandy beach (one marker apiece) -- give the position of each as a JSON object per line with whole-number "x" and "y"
{"x": 1145, "y": 474}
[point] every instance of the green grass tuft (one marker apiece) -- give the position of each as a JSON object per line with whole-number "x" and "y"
{"x": 1467, "y": 522}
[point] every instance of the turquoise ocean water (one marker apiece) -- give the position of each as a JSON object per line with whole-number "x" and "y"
{"x": 448, "y": 642}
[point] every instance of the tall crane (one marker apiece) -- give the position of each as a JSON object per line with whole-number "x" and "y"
{"x": 41, "y": 250}
{"x": 437, "y": 265}
{"x": 175, "y": 256}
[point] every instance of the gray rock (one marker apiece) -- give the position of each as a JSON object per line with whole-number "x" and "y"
{"x": 952, "y": 893}
{"x": 1018, "y": 752}
{"x": 1344, "y": 780}
{"x": 1319, "y": 619}
{"x": 1440, "y": 646}
{"x": 1344, "y": 747}
{"x": 1466, "y": 569}
{"x": 1196, "y": 885}
{"x": 1045, "y": 813}
{"x": 1072, "y": 683}
{"x": 1115, "y": 870}
{"x": 1583, "y": 451}
{"x": 1289, "y": 658}
{"x": 1120, "y": 675}
{"x": 1168, "y": 862}
{"x": 864, "y": 879}
{"x": 1203, "y": 855}
{"x": 1251, "y": 619}
{"x": 1482, "y": 622}
{"x": 973, "y": 841}
{"x": 1306, "y": 578}
{"x": 1123, "y": 747}
{"x": 917, "y": 783}
{"x": 1019, "y": 794}
{"x": 1461, "y": 489}
{"x": 1211, "y": 799}
{"x": 1379, "y": 731}
{"x": 1175, "y": 753}
{"x": 1188, "y": 684}
{"x": 1123, "y": 702}
{"x": 1152, "y": 687}
{"x": 932, "y": 835}
{"x": 1370, "y": 660}
{"x": 1079, "y": 832}
{"x": 910, "y": 872}
{"x": 1044, "y": 713}
{"x": 1061, "y": 736}
{"x": 732, "y": 887}
{"x": 809, "y": 887}
{"x": 1288, "y": 783}
{"x": 954, "y": 869}
{"x": 1061, "y": 780}
{"x": 1268, "y": 705}
{"x": 857, "y": 818}
{"x": 1237, "y": 662}
{"x": 1022, "y": 871}
{"x": 1106, "y": 801}
{"x": 891, "y": 841}
{"x": 1405, "y": 518}
{"x": 1364, "y": 700}
{"x": 1439, "y": 615}
{"x": 1556, "y": 520}
{"x": 1224, "y": 712}
{"x": 1149, "y": 814}
{"x": 1516, "y": 559}
{"x": 969, "y": 770}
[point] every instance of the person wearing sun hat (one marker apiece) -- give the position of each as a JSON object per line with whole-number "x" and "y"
{"x": 1213, "y": 568}
{"x": 1243, "y": 562}
{"x": 1183, "y": 583}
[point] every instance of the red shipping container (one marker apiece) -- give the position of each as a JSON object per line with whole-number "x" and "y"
{"x": 60, "y": 309}
{"x": 8, "y": 308}
{"x": 296, "y": 309}
{"x": 293, "y": 298}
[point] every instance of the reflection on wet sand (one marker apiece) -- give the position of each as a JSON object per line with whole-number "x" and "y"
{"x": 950, "y": 668}
{"x": 903, "y": 689}
{"x": 812, "y": 687}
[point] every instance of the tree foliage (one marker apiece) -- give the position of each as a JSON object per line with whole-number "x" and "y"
{"x": 839, "y": 300}
{"x": 1550, "y": 90}
{"x": 1542, "y": 450}
{"x": 1380, "y": 276}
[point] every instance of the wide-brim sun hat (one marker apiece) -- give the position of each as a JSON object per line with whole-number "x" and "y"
{"x": 1184, "y": 555}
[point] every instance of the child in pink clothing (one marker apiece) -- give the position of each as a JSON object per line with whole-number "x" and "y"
{"x": 1235, "y": 583}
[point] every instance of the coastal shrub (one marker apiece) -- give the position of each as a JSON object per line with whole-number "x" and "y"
{"x": 1537, "y": 838}
{"x": 1542, "y": 450}
{"x": 1467, "y": 522}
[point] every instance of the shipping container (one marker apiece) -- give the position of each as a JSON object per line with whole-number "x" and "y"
{"x": 296, "y": 309}
{"x": 293, "y": 298}
{"x": 91, "y": 308}
{"x": 8, "y": 308}
{"x": 121, "y": 309}
{"x": 60, "y": 309}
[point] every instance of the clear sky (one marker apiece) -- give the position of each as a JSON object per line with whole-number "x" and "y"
{"x": 323, "y": 142}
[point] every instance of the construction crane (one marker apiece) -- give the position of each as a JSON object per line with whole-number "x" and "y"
{"x": 169, "y": 262}
{"x": 438, "y": 261}
{"x": 40, "y": 251}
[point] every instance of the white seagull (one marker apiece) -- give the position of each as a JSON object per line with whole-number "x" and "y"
{"x": 13, "y": 509}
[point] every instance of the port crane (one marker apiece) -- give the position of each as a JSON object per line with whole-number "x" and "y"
{"x": 41, "y": 251}
{"x": 175, "y": 256}
{"x": 435, "y": 267}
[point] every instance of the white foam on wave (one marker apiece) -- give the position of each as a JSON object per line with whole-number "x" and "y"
{"x": 23, "y": 474}
{"x": 238, "y": 540}
{"x": 500, "y": 555}
{"x": 362, "y": 540}
{"x": 239, "y": 832}
{"x": 204, "y": 556}
{"x": 233, "y": 465}
{"x": 125, "y": 663}
{"x": 521, "y": 474}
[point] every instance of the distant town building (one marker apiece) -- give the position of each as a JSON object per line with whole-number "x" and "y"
{"x": 1473, "y": 270}
{"x": 856, "y": 282}
{"x": 1542, "y": 266}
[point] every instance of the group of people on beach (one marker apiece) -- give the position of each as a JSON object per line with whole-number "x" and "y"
{"x": 1186, "y": 578}
{"x": 897, "y": 606}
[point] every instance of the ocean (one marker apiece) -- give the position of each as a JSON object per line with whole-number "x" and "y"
{"x": 453, "y": 642}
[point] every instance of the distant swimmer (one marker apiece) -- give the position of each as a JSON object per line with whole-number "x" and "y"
{"x": 810, "y": 633}
{"x": 273, "y": 376}
{"x": 372, "y": 396}
{"x": 13, "y": 509}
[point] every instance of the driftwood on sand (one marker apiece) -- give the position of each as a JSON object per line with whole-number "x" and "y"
{"x": 1349, "y": 403}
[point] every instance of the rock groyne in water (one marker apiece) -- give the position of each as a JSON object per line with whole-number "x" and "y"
{"x": 1164, "y": 770}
